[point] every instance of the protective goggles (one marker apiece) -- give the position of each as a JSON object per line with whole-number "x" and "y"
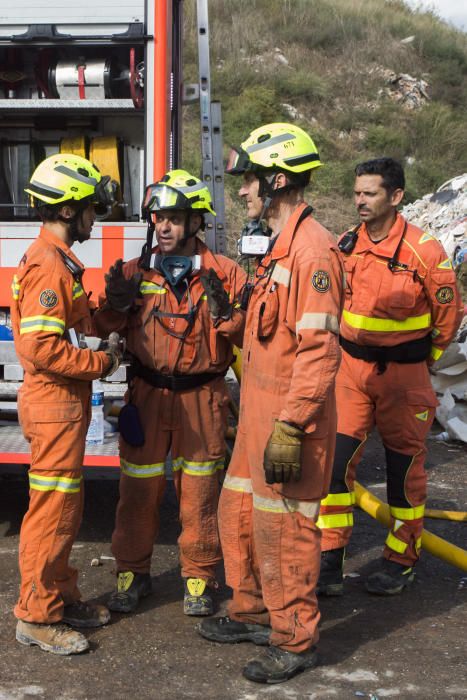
{"x": 238, "y": 162}
{"x": 104, "y": 195}
{"x": 160, "y": 196}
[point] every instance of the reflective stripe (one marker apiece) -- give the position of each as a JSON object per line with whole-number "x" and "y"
{"x": 63, "y": 484}
{"x": 407, "y": 513}
{"x": 395, "y": 544}
{"x": 436, "y": 352}
{"x": 281, "y": 275}
{"x": 237, "y": 483}
{"x": 339, "y": 499}
{"x": 151, "y": 288}
{"x": 198, "y": 468}
{"x": 280, "y": 138}
{"x": 204, "y": 297}
{"x": 386, "y": 325}
{"x": 435, "y": 333}
{"x": 78, "y": 291}
{"x": 335, "y": 520}
{"x": 15, "y": 287}
{"x": 32, "y": 324}
{"x": 318, "y": 321}
{"x": 142, "y": 471}
{"x": 309, "y": 509}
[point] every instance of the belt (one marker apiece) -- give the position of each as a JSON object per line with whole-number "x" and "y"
{"x": 405, "y": 353}
{"x": 180, "y": 382}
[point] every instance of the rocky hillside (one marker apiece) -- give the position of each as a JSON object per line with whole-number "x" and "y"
{"x": 364, "y": 77}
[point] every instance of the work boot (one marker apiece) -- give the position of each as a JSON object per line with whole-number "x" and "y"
{"x": 331, "y": 575}
{"x": 197, "y": 600}
{"x": 130, "y": 589}
{"x": 227, "y": 631}
{"x": 81, "y": 614}
{"x": 277, "y": 665}
{"x": 391, "y": 579}
{"x": 56, "y": 638}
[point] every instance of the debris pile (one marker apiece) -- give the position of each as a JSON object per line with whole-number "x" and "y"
{"x": 410, "y": 92}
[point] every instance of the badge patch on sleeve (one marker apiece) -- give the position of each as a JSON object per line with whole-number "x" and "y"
{"x": 48, "y": 299}
{"x": 445, "y": 295}
{"x": 321, "y": 281}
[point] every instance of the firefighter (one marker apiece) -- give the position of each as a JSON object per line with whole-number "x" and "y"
{"x": 175, "y": 304}
{"x": 50, "y": 312}
{"x": 402, "y": 309}
{"x": 282, "y": 460}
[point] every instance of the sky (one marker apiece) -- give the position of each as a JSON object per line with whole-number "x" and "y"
{"x": 454, "y": 11}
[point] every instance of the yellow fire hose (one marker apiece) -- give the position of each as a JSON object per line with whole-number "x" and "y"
{"x": 454, "y": 515}
{"x": 446, "y": 551}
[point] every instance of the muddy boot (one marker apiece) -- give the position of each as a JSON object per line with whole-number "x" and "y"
{"x": 391, "y": 579}
{"x": 331, "y": 575}
{"x": 56, "y": 638}
{"x": 197, "y": 600}
{"x": 277, "y": 665}
{"x": 81, "y": 614}
{"x": 227, "y": 631}
{"x": 131, "y": 588}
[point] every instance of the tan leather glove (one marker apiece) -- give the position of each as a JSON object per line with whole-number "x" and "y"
{"x": 114, "y": 350}
{"x": 282, "y": 456}
{"x": 120, "y": 292}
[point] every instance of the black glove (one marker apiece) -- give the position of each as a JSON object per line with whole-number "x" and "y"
{"x": 120, "y": 292}
{"x": 283, "y": 454}
{"x": 218, "y": 299}
{"x": 114, "y": 350}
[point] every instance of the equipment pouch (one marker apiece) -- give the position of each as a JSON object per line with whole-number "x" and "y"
{"x": 129, "y": 425}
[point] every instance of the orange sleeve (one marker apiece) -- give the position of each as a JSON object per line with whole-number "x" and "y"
{"x": 45, "y": 304}
{"x": 313, "y": 315}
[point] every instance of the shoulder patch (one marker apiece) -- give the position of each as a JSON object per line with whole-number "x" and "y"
{"x": 445, "y": 295}
{"x": 48, "y": 299}
{"x": 445, "y": 265}
{"x": 426, "y": 237}
{"x": 321, "y": 281}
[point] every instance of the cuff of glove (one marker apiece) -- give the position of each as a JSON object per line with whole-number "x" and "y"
{"x": 114, "y": 364}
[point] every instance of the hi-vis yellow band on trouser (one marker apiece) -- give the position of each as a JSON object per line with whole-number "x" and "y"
{"x": 35, "y": 324}
{"x": 64, "y": 484}
{"x": 309, "y": 509}
{"x": 78, "y": 291}
{"x": 436, "y": 352}
{"x": 207, "y": 468}
{"x": 339, "y": 499}
{"x": 142, "y": 471}
{"x": 151, "y": 288}
{"x": 15, "y": 287}
{"x": 397, "y": 545}
{"x": 237, "y": 483}
{"x": 386, "y": 325}
{"x": 331, "y": 520}
{"x": 318, "y": 321}
{"x": 407, "y": 513}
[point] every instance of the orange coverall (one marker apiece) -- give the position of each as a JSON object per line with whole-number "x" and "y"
{"x": 190, "y": 423}
{"x": 385, "y": 308}
{"x": 54, "y": 411}
{"x": 269, "y": 537}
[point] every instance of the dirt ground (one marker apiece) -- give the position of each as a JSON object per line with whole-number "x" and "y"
{"x": 409, "y": 646}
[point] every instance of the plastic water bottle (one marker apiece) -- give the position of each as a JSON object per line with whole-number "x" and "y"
{"x": 95, "y": 435}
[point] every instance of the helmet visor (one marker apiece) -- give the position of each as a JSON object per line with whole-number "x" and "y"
{"x": 160, "y": 196}
{"x": 104, "y": 195}
{"x": 238, "y": 162}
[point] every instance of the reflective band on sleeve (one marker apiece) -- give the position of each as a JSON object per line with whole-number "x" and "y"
{"x": 386, "y": 325}
{"x": 197, "y": 468}
{"x": 407, "y": 513}
{"x": 281, "y": 275}
{"x": 318, "y": 321}
{"x": 151, "y": 288}
{"x": 339, "y": 499}
{"x": 64, "y": 484}
{"x": 395, "y": 544}
{"x": 35, "y": 324}
{"x": 237, "y": 483}
{"x": 15, "y": 287}
{"x": 325, "y": 522}
{"x": 309, "y": 509}
{"x": 142, "y": 471}
{"x": 436, "y": 352}
{"x": 78, "y": 291}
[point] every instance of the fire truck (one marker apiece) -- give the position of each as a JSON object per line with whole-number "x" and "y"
{"x": 102, "y": 80}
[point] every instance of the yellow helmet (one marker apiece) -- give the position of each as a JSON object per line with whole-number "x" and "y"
{"x": 66, "y": 177}
{"x": 275, "y": 146}
{"x": 177, "y": 190}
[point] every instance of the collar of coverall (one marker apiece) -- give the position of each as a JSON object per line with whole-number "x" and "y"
{"x": 284, "y": 239}
{"x": 52, "y": 239}
{"x": 388, "y": 246}
{"x": 208, "y": 259}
